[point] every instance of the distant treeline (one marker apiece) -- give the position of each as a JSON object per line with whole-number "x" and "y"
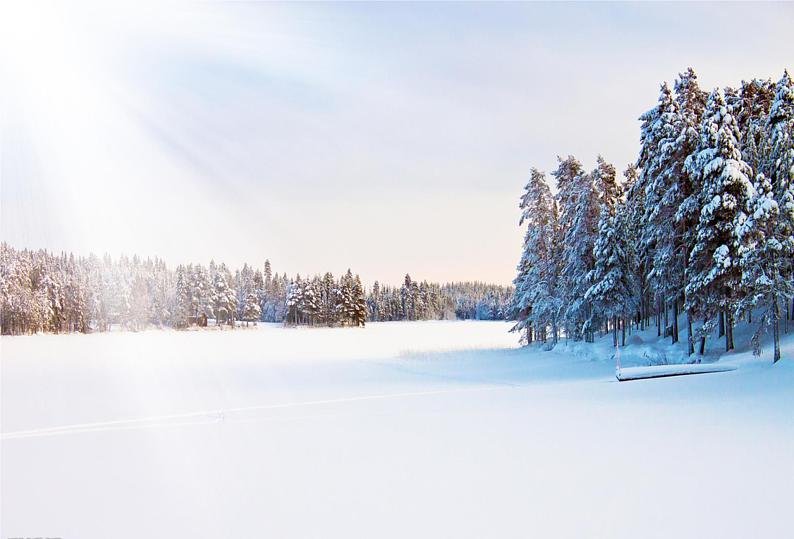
{"x": 431, "y": 301}
{"x": 46, "y": 292}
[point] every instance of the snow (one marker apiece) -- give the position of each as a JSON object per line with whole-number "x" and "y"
{"x": 659, "y": 371}
{"x": 425, "y": 429}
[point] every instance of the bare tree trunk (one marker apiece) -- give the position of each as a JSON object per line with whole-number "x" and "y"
{"x": 776, "y": 328}
{"x": 640, "y": 315}
{"x": 690, "y": 336}
{"x": 658, "y": 320}
{"x": 722, "y": 323}
{"x": 675, "y": 321}
{"x": 614, "y": 332}
{"x": 727, "y": 337}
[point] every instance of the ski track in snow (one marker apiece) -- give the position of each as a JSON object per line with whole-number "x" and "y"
{"x": 218, "y": 416}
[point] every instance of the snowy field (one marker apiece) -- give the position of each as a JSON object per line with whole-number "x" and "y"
{"x": 427, "y": 429}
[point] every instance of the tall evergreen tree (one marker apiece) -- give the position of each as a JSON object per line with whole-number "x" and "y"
{"x": 691, "y": 105}
{"x": 535, "y": 305}
{"x": 778, "y": 162}
{"x": 579, "y": 220}
{"x": 182, "y": 311}
{"x": 766, "y": 247}
{"x": 359, "y": 312}
{"x": 751, "y": 116}
{"x": 613, "y": 291}
{"x": 251, "y": 310}
{"x": 665, "y": 193}
{"x": 713, "y": 273}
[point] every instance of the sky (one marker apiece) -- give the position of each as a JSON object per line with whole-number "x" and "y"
{"x": 387, "y": 138}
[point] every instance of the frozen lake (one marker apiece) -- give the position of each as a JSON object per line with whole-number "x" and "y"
{"x": 431, "y": 429}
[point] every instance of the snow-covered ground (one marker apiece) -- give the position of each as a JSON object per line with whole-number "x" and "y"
{"x": 427, "y": 429}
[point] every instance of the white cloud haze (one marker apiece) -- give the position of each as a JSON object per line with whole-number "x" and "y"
{"x": 384, "y": 137}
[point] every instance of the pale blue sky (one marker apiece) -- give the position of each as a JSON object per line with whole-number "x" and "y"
{"x": 384, "y": 137}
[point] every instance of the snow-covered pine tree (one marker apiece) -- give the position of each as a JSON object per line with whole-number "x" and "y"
{"x": 374, "y": 303}
{"x": 15, "y": 297}
{"x": 733, "y": 100}
{"x": 346, "y": 305}
{"x": 647, "y": 166}
{"x": 251, "y": 311}
{"x": 328, "y": 300}
{"x": 536, "y": 305}
{"x": 224, "y": 298}
{"x": 243, "y": 283}
{"x": 608, "y": 193}
{"x": 691, "y": 105}
{"x": 268, "y": 274}
{"x": 406, "y": 295}
{"x": 422, "y": 305}
{"x": 633, "y": 210}
{"x": 521, "y": 305}
{"x": 566, "y": 175}
{"x": 605, "y": 179}
{"x": 314, "y": 300}
{"x": 294, "y": 301}
{"x": 182, "y": 312}
{"x": 753, "y": 109}
{"x": 766, "y": 247}
{"x": 140, "y": 299}
{"x": 202, "y": 297}
{"x": 258, "y": 284}
{"x": 665, "y": 193}
{"x": 713, "y": 272}
{"x": 579, "y": 209}
{"x": 279, "y": 298}
{"x": 613, "y": 292}
{"x": 162, "y": 290}
{"x": 778, "y": 163}
{"x": 359, "y": 303}
{"x": 269, "y": 301}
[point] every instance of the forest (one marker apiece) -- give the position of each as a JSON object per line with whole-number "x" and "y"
{"x": 700, "y": 231}
{"x": 46, "y": 292}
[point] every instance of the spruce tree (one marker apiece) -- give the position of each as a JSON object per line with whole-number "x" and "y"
{"x": 359, "y": 303}
{"x": 751, "y": 116}
{"x": 778, "y": 163}
{"x": 251, "y": 310}
{"x": 664, "y": 196}
{"x": 569, "y": 176}
{"x": 765, "y": 247}
{"x": 182, "y": 311}
{"x": 691, "y": 102}
{"x": 607, "y": 188}
{"x": 713, "y": 272}
{"x": 535, "y": 305}
{"x": 613, "y": 290}
{"x": 579, "y": 209}
{"x": 641, "y": 197}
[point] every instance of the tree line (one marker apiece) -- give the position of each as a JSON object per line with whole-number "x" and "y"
{"x": 47, "y": 292}
{"x": 700, "y": 229}
{"x": 415, "y": 300}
